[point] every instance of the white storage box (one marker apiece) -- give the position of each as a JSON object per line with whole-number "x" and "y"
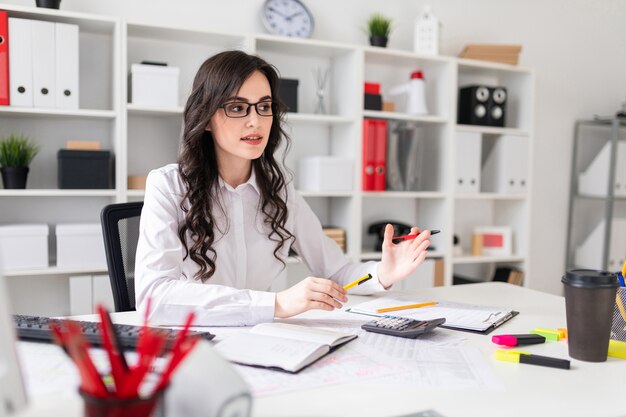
{"x": 153, "y": 85}
{"x": 325, "y": 173}
{"x": 80, "y": 245}
{"x": 24, "y": 246}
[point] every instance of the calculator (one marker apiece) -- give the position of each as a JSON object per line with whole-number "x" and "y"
{"x": 401, "y": 326}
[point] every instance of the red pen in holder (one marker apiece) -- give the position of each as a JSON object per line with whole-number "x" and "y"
{"x": 122, "y": 397}
{"x": 151, "y": 406}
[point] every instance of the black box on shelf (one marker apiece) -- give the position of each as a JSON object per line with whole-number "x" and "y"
{"x": 373, "y": 102}
{"x": 85, "y": 169}
{"x": 482, "y": 105}
{"x": 289, "y": 93}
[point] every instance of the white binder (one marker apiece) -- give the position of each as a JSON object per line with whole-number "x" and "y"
{"x": 467, "y": 162}
{"x": 44, "y": 66}
{"x": 66, "y": 66}
{"x": 589, "y": 253}
{"x": 20, "y": 62}
{"x": 594, "y": 181}
{"x": 505, "y": 170}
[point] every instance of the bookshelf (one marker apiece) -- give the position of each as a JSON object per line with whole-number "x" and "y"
{"x": 143, "y": 138}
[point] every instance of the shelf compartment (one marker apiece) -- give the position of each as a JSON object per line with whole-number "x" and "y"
{"x": 60, "y": 113}
{"x": 53, "y": 270}
{"x": 490, "y": 196}
{"x": 403, "y": 194}
{"x": 134, "y": 109}
{"x": 373, "y": 256}
{"x": 57, "y": 193}
{"x": 487, "y": 259}
{"x": 375, "y": 114}
{"x": 319, "y": 119}
{"x": 491, "y": 130}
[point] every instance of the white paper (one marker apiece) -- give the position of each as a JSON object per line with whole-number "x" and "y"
{"x": 464, "y": 316}
{"x": 345, "y": 365}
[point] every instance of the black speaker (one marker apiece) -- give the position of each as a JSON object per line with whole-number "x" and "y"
{"x": 496, "y": 111}
{"x": 482, "y": 105}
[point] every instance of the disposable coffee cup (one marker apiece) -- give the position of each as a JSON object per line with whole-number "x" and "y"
{"x": 589, "y": 303}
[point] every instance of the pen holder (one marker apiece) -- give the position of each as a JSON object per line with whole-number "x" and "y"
{"x": 116, "y": 407}
{"x": 618, "y": 328}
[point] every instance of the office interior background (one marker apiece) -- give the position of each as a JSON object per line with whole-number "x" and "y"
{"x": 576, "y": 48}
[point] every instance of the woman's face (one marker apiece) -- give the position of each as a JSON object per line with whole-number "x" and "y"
{"x": 240, "y": 140}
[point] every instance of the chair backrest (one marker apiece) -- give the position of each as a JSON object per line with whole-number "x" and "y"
{"x": 120, "y": 226}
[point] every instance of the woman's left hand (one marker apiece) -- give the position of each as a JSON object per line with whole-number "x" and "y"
{"x": 402, "y": 259}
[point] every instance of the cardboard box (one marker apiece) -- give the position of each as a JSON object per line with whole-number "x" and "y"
{"x": 24, "y": 246}
{"x": 137, "y": 182}
{"x": 325, "y": 173}
{"x": 153, "y": 85}
{"x": 80, "y": 245}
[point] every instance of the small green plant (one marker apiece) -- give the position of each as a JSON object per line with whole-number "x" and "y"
{"x": 17, "y": 151}
{"x": 379, "y": 25}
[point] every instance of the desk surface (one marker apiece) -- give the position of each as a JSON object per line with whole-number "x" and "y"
{"x": 588, "y": 389}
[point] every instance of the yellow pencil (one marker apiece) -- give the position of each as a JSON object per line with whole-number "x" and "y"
{"x": 358, "y": 282}
{"x": 405, "y": 307}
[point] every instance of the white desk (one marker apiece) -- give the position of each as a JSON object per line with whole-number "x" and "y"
{"x": 588, "y": 389}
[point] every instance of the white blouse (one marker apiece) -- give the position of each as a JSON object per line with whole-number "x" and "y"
{"x": 245, "y": 268}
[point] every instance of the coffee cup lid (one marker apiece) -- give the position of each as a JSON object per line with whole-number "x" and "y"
{"x": 590, "y": 278}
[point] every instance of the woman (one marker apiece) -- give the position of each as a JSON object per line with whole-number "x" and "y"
{"x": 216, "y": 228}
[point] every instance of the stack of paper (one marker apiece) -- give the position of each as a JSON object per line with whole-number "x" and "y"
{"x": 459, "y": 316}
{"x": 506, "y": 54}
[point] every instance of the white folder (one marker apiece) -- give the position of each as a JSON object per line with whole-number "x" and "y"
{"x": 66, "y": 66}
{"x": 467, "y": 162}
{"x": 505, "y": 170}
{"x": 20, "y": 62}
{"x": 44, "y": 66}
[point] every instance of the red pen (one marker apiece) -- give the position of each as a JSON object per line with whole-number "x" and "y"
{"x": 413, "y": 236}
{"x": 77, "y": 346}
{"x": 177, "y": 352}
{"x": 152, "y": 346}
{"x": 186, "y": 347}
{"x": 119, "y": 367}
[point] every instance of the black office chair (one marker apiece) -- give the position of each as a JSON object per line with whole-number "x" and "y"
{"x": 120, "y": 226}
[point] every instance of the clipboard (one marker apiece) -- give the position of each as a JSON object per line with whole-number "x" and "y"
{"x": 459, "y": 316}
{"x": 491, "y": 328}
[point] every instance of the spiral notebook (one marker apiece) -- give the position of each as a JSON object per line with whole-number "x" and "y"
{"x": 459, "y": 316}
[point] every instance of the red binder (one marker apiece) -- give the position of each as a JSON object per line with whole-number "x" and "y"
{"x": 369, "y": 142}
{"x": 4, "y": 58}
{"x": 380, "y": 156}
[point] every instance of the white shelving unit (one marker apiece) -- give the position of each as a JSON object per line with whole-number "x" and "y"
{"x": 99, "y": 117}
{"x": 144, "y": 138}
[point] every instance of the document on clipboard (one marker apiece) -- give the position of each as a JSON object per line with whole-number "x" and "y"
{"x": 459, "y": 316}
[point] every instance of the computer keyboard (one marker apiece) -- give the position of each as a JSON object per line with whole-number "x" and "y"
{"x": 35, "y": 328}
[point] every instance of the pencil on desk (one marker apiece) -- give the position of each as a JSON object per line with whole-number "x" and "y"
{"x": 405, "y": 307}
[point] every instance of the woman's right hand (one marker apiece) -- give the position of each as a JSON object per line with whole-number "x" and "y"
{"x": 310, "y": 293}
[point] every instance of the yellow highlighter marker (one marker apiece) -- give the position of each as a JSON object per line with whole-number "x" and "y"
{"x": 624, "y": 269}
{"x": 358, "y": 282}
{"x": 405, "y": 307}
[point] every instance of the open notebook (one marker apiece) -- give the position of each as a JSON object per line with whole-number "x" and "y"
{"x": 288, "y": 347}
{"x": 459, "y": 316}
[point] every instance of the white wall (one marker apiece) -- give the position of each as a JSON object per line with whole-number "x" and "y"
{"x": 577, "y": 48}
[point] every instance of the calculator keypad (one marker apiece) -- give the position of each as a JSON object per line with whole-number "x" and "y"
{"x": 401, "y": 326}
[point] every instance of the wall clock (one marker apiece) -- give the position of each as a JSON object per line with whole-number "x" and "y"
{"x": 287, "y": 18}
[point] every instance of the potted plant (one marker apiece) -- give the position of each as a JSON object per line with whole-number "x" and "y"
{"x": 378, "y": 28}
{"x": 16, "y": 153}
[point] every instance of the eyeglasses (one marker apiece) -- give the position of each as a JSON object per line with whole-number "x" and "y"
{"x": 239, "y": 109}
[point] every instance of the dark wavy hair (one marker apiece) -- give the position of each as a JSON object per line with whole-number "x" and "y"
{"x": 219, "y": 78}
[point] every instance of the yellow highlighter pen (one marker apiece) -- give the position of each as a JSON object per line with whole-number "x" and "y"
{"x": 357, "y": 282}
